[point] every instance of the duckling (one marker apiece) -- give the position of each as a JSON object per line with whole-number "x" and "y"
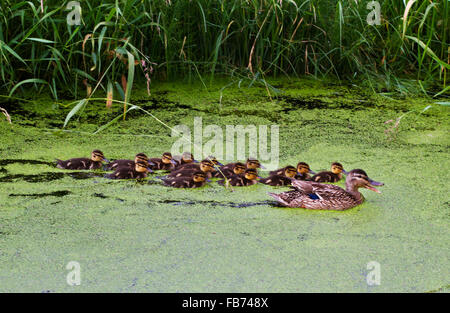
{"x": 247, "y": 179}
{"x": 138, "y": 172}
{"x": 128, "y": 163}
{"x": 95, "y": 162}
{"x": 195, "y": 180}
{"x": 250, "y": 164}
{"x": 332, "y": 176}
{"x": 204, "y": 166}
{"x": 185, "y": 158}
{"x": 281, "y": 180}
{"x": 164, "y": 163}
{"x": 238, "y": 169}
{"x": 303, "y": 171}
{"x": 317, "y": 196}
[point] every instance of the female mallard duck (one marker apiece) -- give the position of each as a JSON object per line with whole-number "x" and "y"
{"x": 139, "y": 171}
{"x": 281, "y": 180}
{"x": 195, "y": 180}
{"x": 303, "y": 171}
{"x": 204, "y": 166}
{"x": 128, "y": 163}
{"x": 164, "y": 163}
{"x": 238, "y": 169}
{"x": 317, "y": 196}
{"x": 95, "y": 162}
{"x": 247, "y": 179}
{"x": 332, "y": 176}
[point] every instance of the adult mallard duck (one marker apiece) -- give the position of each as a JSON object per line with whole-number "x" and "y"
{"x": 95, "y": 162}
{"x": 332, "y": 176}
{"x": 317, "y": 196}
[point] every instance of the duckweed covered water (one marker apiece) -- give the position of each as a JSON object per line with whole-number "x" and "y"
{"x": 143, "y": 236}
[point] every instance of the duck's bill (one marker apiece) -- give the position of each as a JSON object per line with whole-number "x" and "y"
{"x": 195, "y": 161}
{"x": 173, "y": 162}
{"x": 218, "y": 163}
{"x": 312, "y": 172}
{"x": 375, "y": 183}
{"x": 151, "y": 163}
{"x": 262, "y": 166}
{"x": 372, "y": 188}
{"x": 106, "y": 160}
{"x": 345, "y": 172}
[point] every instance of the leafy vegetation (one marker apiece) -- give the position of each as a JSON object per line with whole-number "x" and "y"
{"x": 242, "y": 39}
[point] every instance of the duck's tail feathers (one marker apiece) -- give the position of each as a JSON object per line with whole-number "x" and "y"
{"x": 278, "y": 198}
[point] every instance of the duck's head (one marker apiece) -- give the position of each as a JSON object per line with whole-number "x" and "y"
{"x": 97, "y": 156}
{"x": 251, "y": 174}
{"x": 141, "y": 167}
{"x": 214, "y": 160}
{"x": 141, "y": 157}
{"x": 290, "y": 171}
{"x": 303, "y": 168}
{"x": 187, "y": 157}
{"x": 239, "y": 168}
{"x": 337, "y": 168}
{"x": 167, "y": 158}
{"x": 254, "y": 164}
{"x": 358, "y": 179}
{"x": 199, "y": 177}
{"x": 206, "y": 165}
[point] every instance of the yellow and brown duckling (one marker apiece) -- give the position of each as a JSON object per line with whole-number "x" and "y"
{"x": 205, "y": 166}
{"x": 281, "y": 180}
{"x": 332, "y": 176}
{"x": 139, "y": 171}
{"x": 238, "y": 169}
{"x": 166, "y": 162}
{"x": 249, "y": 164}
{"x": 303, "y": 171}
{"x": 128, "y": 163}
{"x": 318, "y": 196}
{"x": 247, "y": 179}
{"x": 185, "y": 158}
{"x": 195, "y": 180}
{"x": 93, "y": 163}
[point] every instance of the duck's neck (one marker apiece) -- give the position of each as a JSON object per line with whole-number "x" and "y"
{"x": 353, "y": 190}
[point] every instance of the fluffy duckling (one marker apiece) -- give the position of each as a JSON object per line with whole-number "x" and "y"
{"x": 139, "y": 171}
{"x": 303, "y": 171}
{"x": 185, "y": 158}
{"x": 128, "y": 163}
{"x": 238, "y": 169}
{"x": 247, "y": 179}
{"x": 95, "y": 162}
{"x": 250, "y": 164}
{"x": 317, "y": 196}
{"x": 164, "y": 163}
{"x": 195, "y": 180}
{"x": 205, "y": 166}
{"x": 332, "y": 176}
{"x": 281, "y": 180}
